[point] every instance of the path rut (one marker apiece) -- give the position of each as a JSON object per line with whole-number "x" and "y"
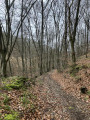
{"x": 59, "y": 104}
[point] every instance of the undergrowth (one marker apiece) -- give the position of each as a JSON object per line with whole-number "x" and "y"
{"x": 74, "y": 69}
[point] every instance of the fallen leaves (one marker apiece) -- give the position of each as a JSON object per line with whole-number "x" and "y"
{"x": 54, "y": 97}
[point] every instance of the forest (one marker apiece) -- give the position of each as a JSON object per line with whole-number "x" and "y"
{"x": 44, "y": 59}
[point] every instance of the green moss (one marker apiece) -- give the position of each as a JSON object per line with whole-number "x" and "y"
{"x": 18, "y": 83}
{"x": 71, "y": 107}
{"x": 6, "y": 87}
{"x": 13, "y": 116}
{"x": 14, "y": 83}
{"x": 9, "y": 117}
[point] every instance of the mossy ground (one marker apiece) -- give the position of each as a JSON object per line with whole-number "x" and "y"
{"x": 74, "y": 69}
{"x": 13, "y": 116}
{"x": 16, "y": 97}
{"x": 13, "y": 83}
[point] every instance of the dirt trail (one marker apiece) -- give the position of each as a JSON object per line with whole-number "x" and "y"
{"x": 59, "y": 105}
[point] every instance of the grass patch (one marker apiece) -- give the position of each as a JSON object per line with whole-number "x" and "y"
{"x": 13, "y": 83}
{"x": 32, "y": 107}
{"x": 78, "y": 79}
{"x": 7, "y": 107}
{"x": 25, "y": 100}
{"x": 84, "y": 67}
{"x": 86, "y": 98}
{"x": 70, "y": 107}
{"x": 33, "y": 81}
{"x": 88, "y": 93}
{"x": 13, "y": 116}
{"x": 32, "y": 96}
{"x": 6, "y": 100}
{"x": 10, "y": 114}
{"x": 74, "y": 69}
{"x": 40, "y": 82}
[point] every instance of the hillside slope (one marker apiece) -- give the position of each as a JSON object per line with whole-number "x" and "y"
{"x": 52, "y": 96}
{"x": 60, "y": 94}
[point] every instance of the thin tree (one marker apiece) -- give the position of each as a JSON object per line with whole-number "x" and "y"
{"x": 72, "y": 32}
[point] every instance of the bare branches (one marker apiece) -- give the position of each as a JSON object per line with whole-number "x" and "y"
{"x": 12, "y": 3}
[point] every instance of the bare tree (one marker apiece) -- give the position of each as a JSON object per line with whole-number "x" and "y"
{"x": 72, "y": 32}
{"x": 9, "y": 38}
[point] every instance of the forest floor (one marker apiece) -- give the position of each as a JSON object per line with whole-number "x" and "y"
{"x": 54, "y": 96}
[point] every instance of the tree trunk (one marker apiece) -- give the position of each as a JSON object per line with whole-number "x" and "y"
{"x": 66, "y": 33}
{"x": 73, "y": 34}
{"x": 87, "y": 44}
{"x": 4, "y": 64}
{"x": 73, "y": 52}
{"x": 5, "y": 68}
{"x": 41, "y": 45}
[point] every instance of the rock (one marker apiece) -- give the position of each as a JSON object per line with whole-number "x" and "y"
{"x": 83, "y": 90}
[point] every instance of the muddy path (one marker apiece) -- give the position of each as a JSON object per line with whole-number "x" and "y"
{"x": 59, "y": 105}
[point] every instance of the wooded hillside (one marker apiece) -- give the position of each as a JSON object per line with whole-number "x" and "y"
{"x": 42, "y": 35}
{"x": 44, "y": 59}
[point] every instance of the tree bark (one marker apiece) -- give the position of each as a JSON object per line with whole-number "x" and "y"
{"x": 41, "y": 45}
{"x": 73, "y": 34}
{"x": 73, "y": 52}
